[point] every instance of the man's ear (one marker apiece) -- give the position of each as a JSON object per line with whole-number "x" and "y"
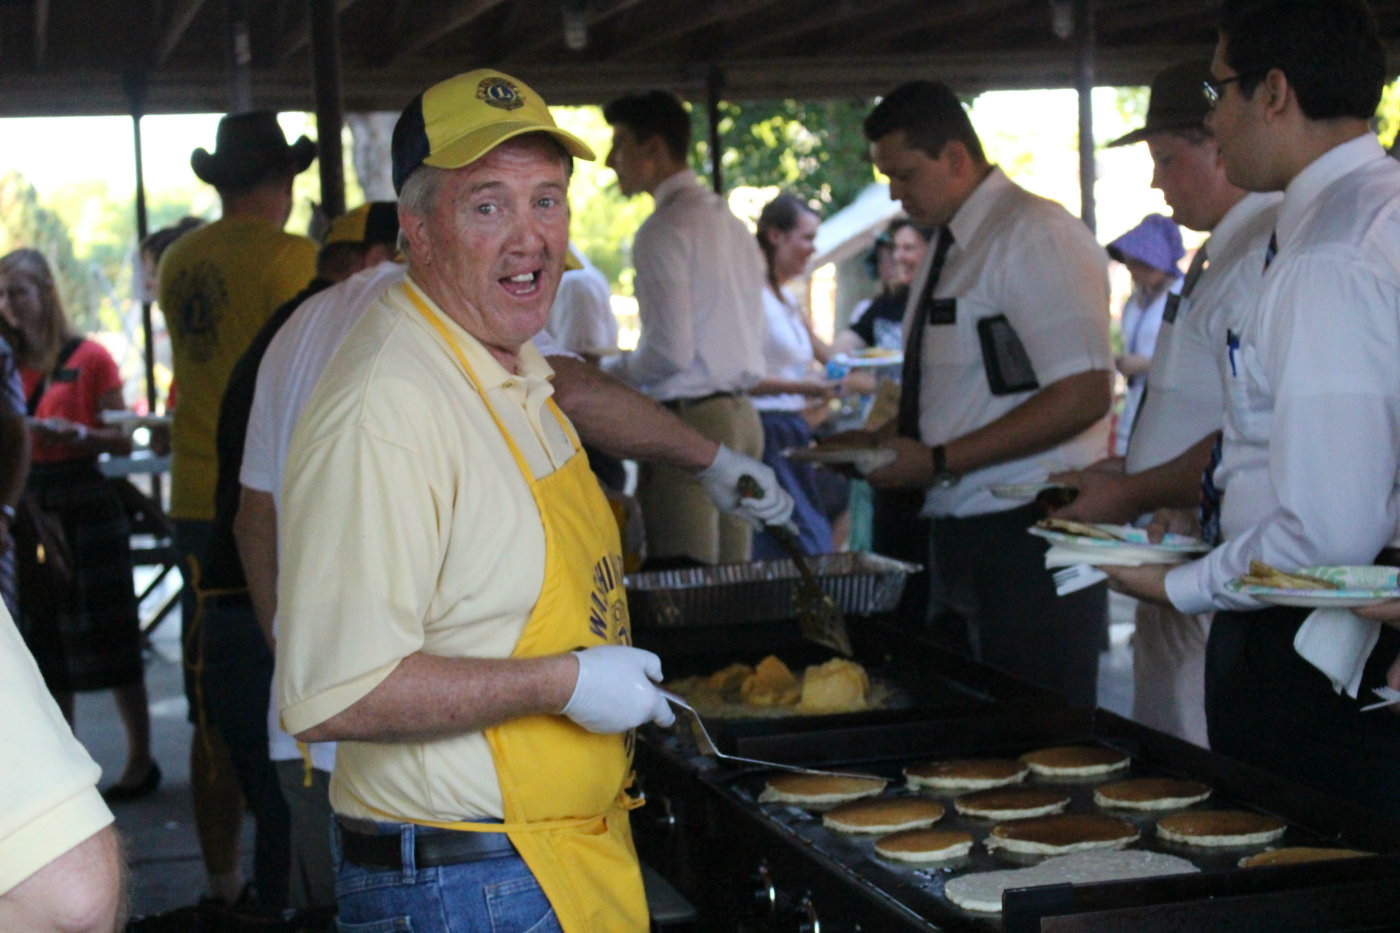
{"x": 956, "y": 156}
{"x": 414, "y": 229}
{"x": 1278, "y": 94}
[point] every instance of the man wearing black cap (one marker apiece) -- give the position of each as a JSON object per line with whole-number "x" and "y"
{"x": 1311, "y": 438}
{"x": 217, "y": 287}
{"x": 1183, "y": 405}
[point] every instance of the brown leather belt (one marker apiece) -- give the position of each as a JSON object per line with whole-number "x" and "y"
{"x": 430, "y": 848}
{"x": 679, "y": 404}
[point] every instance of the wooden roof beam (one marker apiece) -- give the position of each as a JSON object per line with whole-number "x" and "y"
{"x": 300, "y": 37}
{"x": 444, "y": 23}
{"x": 683, "y": 25}
{"x": 802, "y": 25}
{"x": 951, "y": 20}
{"x": 175, "y": 30}
{"x": 593, "y": 16}
{"x": 41, "y": 32}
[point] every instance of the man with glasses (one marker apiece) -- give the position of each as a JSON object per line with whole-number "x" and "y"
{"x": 1311, "y": 437}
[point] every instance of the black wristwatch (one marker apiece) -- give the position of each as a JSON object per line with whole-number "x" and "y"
{"x": 943, "y": 478}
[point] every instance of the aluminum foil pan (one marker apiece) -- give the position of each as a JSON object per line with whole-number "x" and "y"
{"x": 860, "y": 584}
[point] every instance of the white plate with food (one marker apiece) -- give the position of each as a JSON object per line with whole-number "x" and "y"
{"x": 873, "y": 356}
{"x": 864, "y": 459}
{"x": 1123, "y": 541}
{"x": 1319, "y": 587}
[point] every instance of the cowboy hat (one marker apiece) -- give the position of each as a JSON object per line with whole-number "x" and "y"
{"x": 246, "y": 146}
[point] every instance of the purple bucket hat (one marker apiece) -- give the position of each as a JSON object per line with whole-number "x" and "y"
{"x": 1155, "y": 241}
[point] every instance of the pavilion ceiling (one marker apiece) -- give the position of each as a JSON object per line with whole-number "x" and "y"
{"x": 86, "y": 56}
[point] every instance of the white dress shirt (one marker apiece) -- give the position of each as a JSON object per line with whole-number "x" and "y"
{"x": 1019, "y": 255}
{"x": 1185, "y": 398}
{"x": 699, "y": 288}
{"x": 581, "y": 318}
{"x": 1312, "y": 424}
{"x": 787, "y": 351}
{"x": 1140, "y": 326}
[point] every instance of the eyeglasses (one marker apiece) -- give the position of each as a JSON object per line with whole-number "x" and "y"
{"x": 1213, "y": 89}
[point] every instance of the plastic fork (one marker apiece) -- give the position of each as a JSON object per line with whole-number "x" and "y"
{"x": 708, "y": 746}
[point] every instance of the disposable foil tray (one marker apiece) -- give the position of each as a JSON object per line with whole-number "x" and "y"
{"x": 763, "y": 590}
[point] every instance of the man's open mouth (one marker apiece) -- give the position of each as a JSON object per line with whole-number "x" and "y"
{"x": 523, "y": 284}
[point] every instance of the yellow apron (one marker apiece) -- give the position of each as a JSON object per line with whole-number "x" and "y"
{"x": 563, "y": 786}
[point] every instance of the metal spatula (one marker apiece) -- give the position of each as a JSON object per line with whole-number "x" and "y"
{"x": 818, "y": 615}
{"x": 708, "y": 746}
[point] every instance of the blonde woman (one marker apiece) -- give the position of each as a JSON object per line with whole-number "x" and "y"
{"x": 87, "y": 637}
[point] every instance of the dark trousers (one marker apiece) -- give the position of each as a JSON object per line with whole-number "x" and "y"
{"x": 897, "y": 531}
{"x": 236, "y": 681}
{"x": 1268, "y": 707}
{"x": 1004, "y": 608}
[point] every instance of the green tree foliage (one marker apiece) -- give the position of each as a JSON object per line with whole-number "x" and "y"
{"x": 815, "y": 149}
{"x": 24, "y": 222}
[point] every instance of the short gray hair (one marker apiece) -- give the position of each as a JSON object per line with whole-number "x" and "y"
{"x": 419, "y": 196}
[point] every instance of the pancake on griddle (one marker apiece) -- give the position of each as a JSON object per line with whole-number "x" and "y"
{"x": 1293, "y": 855}
{"x": 1062, "y": 833}
{"x": 924, "y": 845}
{"x": 1012, "y": 803}
{"x": 982, "y": 890}
{"x": 883, "y": 815}
{"x": 1220, "y": 828}
{"x": 1150, "y": 794}
{"x": 966, "y": 773}
{"x": 1075, "y": 760}
{"x": 819, "y": 791}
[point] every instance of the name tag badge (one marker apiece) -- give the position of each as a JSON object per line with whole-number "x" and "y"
{"x": 1170, "y": 311}
{"x": 67, "y": 374}
{"x": 942, "y": 311}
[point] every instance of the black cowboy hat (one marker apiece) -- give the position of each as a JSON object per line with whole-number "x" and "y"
{"x": 248, "y": 145}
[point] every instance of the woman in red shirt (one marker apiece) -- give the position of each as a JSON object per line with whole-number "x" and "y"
{"x": 88, "y": 638}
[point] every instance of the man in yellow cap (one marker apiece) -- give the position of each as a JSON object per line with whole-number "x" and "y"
{"x": 450, "y": 594}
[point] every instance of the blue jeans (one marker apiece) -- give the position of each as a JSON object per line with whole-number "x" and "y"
{"x": 493, "y": 895}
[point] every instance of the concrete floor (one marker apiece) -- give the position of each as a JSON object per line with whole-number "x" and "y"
{"x": 162, "y": 851}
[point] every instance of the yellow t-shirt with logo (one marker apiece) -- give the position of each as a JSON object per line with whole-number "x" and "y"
{"x": 406, "y": 526}
{"x": 218, "y": 285}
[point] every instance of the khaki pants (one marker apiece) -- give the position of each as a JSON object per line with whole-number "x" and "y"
{"x": 1169, "y": 671}
{"x": 680, "y": 519}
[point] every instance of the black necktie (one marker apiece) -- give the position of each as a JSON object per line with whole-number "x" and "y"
{"x": 1272, "y": 251}
{"x": 913, "y": 370}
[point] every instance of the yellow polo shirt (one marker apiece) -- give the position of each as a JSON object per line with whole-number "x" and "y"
{"x": 406, "y": 526}
{"x": 218, "y": 286}
{"x": 48, "y": 782}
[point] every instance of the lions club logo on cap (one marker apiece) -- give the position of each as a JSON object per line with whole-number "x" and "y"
{"x": 498, "y": 92}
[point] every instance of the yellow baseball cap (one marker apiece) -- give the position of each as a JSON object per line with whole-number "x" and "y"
{"x": 457, "y": 121}
{"x": 375, "y": 222}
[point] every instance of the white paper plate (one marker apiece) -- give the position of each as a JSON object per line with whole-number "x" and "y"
{"x": 858, "y": 361}
{"x": 1361, "y": 586}
{"x": 1133, "y": 539}
{"x": 864, "y": 459}
{"x": 129, "y": 420}
{"x": 1023, "y": 490}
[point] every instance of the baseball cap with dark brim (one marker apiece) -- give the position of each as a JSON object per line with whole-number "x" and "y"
{"x": 368, "y": 224}
{"x": 1176, "y": 101}
{"x": 457, "y": 121}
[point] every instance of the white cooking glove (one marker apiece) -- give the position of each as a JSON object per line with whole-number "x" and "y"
{"x": 616, "y": 690}
{"x": 721, "y": 481}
